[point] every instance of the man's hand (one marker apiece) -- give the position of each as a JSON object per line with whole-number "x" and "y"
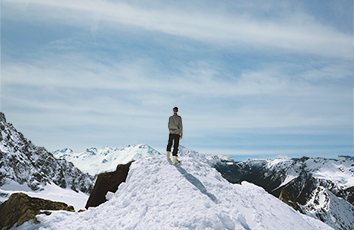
{"x": 180, "y": 137}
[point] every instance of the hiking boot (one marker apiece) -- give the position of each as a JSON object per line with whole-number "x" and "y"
{"x": 175, "y": 160}
{"x": 168, "y": 154}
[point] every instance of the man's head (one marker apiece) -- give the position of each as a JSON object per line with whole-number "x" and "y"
{"x": 175, "y": 109}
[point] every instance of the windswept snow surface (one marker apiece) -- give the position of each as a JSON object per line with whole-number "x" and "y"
{"x": 192, "y": 195}
{"x": 94, "y": 161}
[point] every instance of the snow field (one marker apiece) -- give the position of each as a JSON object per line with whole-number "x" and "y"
{"x": 49, "y": 192}
{"x": 192, "y": 195}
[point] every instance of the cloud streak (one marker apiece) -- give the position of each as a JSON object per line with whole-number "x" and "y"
{"x": 249, "y": 77}
{"x": 296, "y": 32}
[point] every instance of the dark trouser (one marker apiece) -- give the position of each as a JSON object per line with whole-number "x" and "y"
{"x": 173, "y": 138}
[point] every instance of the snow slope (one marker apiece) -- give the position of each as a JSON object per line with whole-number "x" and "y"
{"x": 50, "y": 192}
{"x": 334, "y": 211}
{"x": 193, "y": 195}
{"x": 94, "y": 161}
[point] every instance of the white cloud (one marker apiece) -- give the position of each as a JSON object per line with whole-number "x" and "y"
{"x": 65, "y": 87}
{"x": 295, "y": 32}
{"x": 264, "y": 98}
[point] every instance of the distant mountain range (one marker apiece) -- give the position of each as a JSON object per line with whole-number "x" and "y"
{"x": 94, "y": 161}
{"x": 323, "y": 188}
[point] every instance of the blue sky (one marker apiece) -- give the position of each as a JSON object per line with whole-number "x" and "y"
{"x": 252, "y": 79}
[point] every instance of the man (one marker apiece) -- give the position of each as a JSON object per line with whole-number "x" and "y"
{"x": 176, "y": 132}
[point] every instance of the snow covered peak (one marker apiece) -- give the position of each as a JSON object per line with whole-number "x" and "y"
{"x": 340, "y": 172}
{"x": 217, "y": 159}
{"x": 91, "y": 151}
{"x": 343, "y": 157}
{"x": 183, "y": 151}
{"x": 94, "y": 160}
{"x": 64, "y": 151}
{"x": 192, "y": 195}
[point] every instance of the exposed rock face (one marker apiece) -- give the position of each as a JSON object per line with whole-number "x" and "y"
{"x": 336, "y": 212}
{"x": 288, "y": 199}
{"x": 23, "y": 162}
{"x": 232, "y": 171}
{"x": 2, "y": 117}
{"x": 298, "y": 176}
{"x": 301, "y": 178}
{"x": 20, "y": 208}
{"x": 107, "y": 182}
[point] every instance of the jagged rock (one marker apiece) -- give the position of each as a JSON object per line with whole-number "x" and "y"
{"x": 288, "y": 199}
{"x": 107, "y": 182}
{"x": 23, "y": 162}
{"x": 2, "y": 117}
{"x": 20, "y": 208}
{"x": 336, "y": 212}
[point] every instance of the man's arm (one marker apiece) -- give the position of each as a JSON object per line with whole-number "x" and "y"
{"x": 181, "y": 128}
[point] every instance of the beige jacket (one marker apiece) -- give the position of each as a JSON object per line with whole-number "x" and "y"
{"x": 175, "y": 125}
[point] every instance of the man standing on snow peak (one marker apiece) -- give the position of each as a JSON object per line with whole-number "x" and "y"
{"x": 176, "y": 132}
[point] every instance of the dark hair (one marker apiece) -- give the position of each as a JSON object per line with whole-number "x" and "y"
{"x": 175, "y": 109}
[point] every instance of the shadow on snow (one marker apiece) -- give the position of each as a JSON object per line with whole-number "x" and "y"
{"x": 196, "y": 182}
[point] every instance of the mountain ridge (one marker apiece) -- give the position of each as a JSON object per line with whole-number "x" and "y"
{"x": 28, "y": 167}
{"x": 97, "y": 160}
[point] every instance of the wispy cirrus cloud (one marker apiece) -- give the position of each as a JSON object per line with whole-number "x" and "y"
{"x": 250, "y": 77}
{"x": 294, "y": 32}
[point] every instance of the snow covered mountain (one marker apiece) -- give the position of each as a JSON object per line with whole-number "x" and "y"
{"x": 334, "y": 211}
{"x": 303, "y": 179}
{"x": 27, "y": 168}
{"x": 192, "y": 195}
{"x": 302, "y": 176}
{"x": 298, "y": 176}
{"x": 95, "y": 161}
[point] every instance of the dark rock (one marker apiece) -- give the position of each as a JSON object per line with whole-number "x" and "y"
{"x": 2, "y": 117}
{"x": 288, "y": 199}
{"x": 107, "y": 182}
{"x": 238, "y": 171}
{"x": 20, "y": 208}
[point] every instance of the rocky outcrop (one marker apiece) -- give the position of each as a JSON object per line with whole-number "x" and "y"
{"x": 20, "y": 208}
{"x": 336, "y": 212}
{"x": 23, "y": 162}
{"x": 107, "y": 182}
{"x": 2, "y": 117}
{"x": 288, "y": 199}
